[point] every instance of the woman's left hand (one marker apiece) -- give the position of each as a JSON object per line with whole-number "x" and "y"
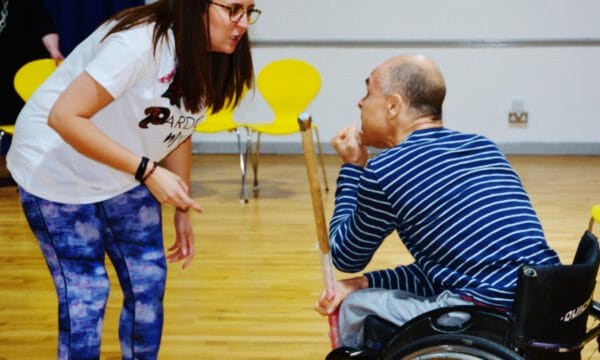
{"x": 183, "y": 248}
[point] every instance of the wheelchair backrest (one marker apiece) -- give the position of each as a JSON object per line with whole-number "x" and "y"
{"x": 552, "y": 304}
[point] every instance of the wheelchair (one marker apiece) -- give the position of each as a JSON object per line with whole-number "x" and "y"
{"x": 549, "y": 319}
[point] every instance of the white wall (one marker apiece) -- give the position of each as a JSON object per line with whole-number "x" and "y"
{"x": 426, "y": 19}
{"x": 492, "y": 53}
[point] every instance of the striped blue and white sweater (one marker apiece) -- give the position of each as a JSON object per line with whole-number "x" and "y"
{"x": 457, "y": 205}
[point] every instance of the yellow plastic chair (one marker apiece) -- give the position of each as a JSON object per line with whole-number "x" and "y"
{"x": 595, "y": 217}
{"x": 223, "y": 121}
{"x": 27, "y": 79}
{"x": 31, "y": 75}
{"x": 288, "y": 86}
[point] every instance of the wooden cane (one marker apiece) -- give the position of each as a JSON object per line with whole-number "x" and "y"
{"x": 310, "y": 160}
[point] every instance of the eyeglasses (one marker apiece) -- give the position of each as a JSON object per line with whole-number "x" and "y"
{"x": 237, "y": 11}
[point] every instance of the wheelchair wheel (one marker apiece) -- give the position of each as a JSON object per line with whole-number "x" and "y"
{"x": 346, "y": 353}
{"x": 452, "y": 346}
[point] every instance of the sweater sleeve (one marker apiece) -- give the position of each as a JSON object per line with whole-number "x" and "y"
{"x": 361, "y": 220}
{"x": 405, "y": 277}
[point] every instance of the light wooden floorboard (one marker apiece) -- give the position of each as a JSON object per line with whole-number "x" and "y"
{"x": 250, "y": 291}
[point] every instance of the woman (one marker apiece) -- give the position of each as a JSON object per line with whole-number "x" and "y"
{"x": 85, "y": 156}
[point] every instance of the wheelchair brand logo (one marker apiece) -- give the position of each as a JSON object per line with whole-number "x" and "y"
{"x": 574, "y": 313}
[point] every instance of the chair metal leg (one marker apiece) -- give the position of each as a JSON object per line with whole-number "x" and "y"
{"x": 243, "y": 161}
{"x": 253, "y": 152}
{"x": 254, "y": 157}
{"x": 321, "y": 159}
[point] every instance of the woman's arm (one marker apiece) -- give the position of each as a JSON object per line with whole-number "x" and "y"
{"x": 179, "y": 162}
{"x": 70, "y": 118}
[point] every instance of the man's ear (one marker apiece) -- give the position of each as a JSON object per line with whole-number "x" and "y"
{"x": 394, "y": 104}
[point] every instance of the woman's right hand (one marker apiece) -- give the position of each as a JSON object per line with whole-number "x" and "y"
{"x": 168, "y": 188}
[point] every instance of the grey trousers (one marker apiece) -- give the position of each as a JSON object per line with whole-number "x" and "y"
{"x": 395, "y": 306}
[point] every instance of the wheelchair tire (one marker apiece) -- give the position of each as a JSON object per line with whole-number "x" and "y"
{"x": 451, "y": 346}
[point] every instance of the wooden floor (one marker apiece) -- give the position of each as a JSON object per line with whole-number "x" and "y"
{"x": 250, "y": 291}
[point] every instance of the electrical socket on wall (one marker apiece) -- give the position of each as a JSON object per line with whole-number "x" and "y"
{"x": 517, "y": 113}
{"x": 518, "y": 117}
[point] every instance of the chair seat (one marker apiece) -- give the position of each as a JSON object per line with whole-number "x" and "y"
{"x": 287, "y": 128}
{"x": 219, "y": 121}
{"x": 8, "y": 129}
{"x": 215, "y": 127}
{"x": 31, "y": 75}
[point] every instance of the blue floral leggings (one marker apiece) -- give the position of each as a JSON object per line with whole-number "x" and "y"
{"x": 74, "y": 239}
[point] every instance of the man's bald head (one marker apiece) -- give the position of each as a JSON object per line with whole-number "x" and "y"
{"x": 418, "y": 80}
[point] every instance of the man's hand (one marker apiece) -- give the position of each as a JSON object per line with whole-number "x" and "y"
{"x": 343, "y": 288}
{"x": 348, "y": 144}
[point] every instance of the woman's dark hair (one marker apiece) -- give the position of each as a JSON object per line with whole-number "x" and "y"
{"x": 208, "y": 79}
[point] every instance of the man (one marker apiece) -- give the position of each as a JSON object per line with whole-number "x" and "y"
{"x": 453, "y": 198}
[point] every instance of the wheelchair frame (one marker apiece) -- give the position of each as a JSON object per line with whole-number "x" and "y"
{"x": 483, "y": 330}
{"x": 486, "y": 334}
{"x": 473, "y": 332}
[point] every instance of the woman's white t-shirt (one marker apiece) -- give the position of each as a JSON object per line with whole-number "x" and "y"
{"x": 147, "y": 117}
